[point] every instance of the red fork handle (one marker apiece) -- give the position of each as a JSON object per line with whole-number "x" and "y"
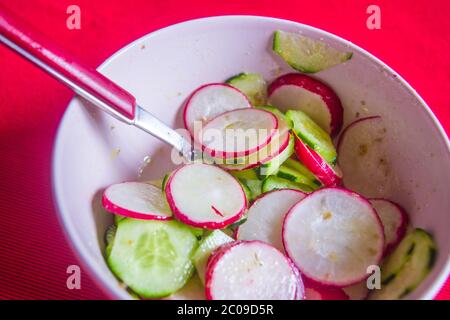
{"x": 85, "y": 81}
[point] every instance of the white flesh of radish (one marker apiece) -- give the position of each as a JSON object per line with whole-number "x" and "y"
{"x": 211, "y": 100}
{"x": 252, "y": 271}
{"x": 294, "y": 97}
{"x": 136, "y": 200}
{"x": 364, "y": 159}
{"x": 244, "y": 130}
{"x": 205, "y": 196}
{"x": 278, "y": 142}
{"x": 265, "y": 217}
{"x": 392, "y": 219}
{"x": 333, "y": 235}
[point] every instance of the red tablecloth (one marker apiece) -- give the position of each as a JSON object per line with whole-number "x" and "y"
{"x": 34, "y": 255}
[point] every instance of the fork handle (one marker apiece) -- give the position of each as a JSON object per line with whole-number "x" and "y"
{"x": 85, "y": 81}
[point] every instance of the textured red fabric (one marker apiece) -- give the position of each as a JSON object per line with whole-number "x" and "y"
{"x": 34, "y": 255}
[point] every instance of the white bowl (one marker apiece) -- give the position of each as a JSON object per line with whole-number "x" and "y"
{"x": 162, "y": 68}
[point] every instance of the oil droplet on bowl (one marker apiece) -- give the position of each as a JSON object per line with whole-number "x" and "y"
{"x": 145, "y": 163}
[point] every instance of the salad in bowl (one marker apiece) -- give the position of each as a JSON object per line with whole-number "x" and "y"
{"x": 285, "y": 203}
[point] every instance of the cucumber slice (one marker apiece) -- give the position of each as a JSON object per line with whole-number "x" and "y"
{"x": 300, "y": 168}
{"x": 407, "y": 266}
{"x": 235, "y": 225}
{"x": 247, "y": 191}
{"x": 277, "y": 113}
{"x": 109, "y": 239}
{"x": 213, "y": 241}
{"x": 403, "y": 254}
{"x": 197, "y": 232}
{"x": 250, "y": 182}
{"x": 293, "y": 175}
{"x": 152, "y": 257}
{"x": 164, "y": 181}
{"x": 252, "y": 85}
{"x": 305, "y": 54}
{"x": 272, "y": 167}
{"x": 254, "y": 186}
{"x": 248, "y": 174}
{"x": 276, "y": 183}
{"x": 117, "y": 218}
{"x": 313, "y": 135}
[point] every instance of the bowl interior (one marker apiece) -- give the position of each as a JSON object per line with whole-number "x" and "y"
{"x": 94, "y": 150}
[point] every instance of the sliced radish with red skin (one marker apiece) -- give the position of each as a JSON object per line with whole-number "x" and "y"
{"x": 314, "y": 291}
{"x": 357, "y": 291}
{"x": 312, "y": 294}
{"x": 316, "y": 99}
{"x": 276, "y": 146}
{"x": 210, "y": 100}
{"x": 363, "y": 154}
{"x": 136, "y": 200}
{"x": 265, "y": 217}
{"x": 300, "y": 293}
{"x": 333, "y": 235}
{"x": 394, "y": 219}
{"x": 205, "y": 196}
{"x": 251, "y": 270}
{"x": 238, "y": 133}
{"x": 324, "y": 172}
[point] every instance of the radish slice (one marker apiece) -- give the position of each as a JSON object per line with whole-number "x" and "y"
{"x": 265, "y": 217}
{"x": 394, "y": 219}
{"x": 209, "y": 101}
{"x": 136, "y": 200}
{"x": 315, "y": 291}
{"x": 312, "y": 294}
{"x": 251, "y": 270}
{"x": 363, "y": 157}
{"x": 316, "y": 99}
{"x": 328, "y": 175}
{"x": 357, "y": 291}
{"x": 333, "y": 235}
{"x": 238, "y": 133}
{"x": 276, "y": 146}
{"x": 205, "y": 196}
{"x": 300, "y": 293}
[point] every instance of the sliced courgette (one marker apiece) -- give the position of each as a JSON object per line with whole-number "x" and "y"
{"x": 305, "y": 54}
{"x": 407, "y": 266}
{"x": 109, "y": 239}
{"x": 117, "y": 218}
{"x": 272, "y": 167}
{"x": 293, "y": 175}
{"x": 250, "y": 181}
{"x": 300, "y": 168}
{"x": 210, "y": 243}
{"x": 313, "y": 135}
{"x": 277, "y": 113}
{"x": 252, "y": 85}
{"x": 276, "y": 183}
{"x": 164, "y": 181}
{"x": 152, "y": 257}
